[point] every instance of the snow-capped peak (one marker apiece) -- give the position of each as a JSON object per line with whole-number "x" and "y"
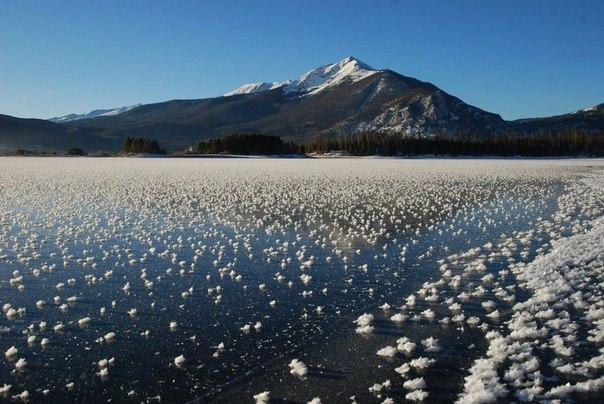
{"x": 349, "y": 69}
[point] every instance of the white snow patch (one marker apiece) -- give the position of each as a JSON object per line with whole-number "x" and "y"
{"x": 347, "y": 70}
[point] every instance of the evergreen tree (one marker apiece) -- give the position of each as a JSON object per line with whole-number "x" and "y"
{"x": 565, "y": 143}
{"x": 248, "y": 144}
{"x": 141, "y": 145}
{"x": 75, "y": 151}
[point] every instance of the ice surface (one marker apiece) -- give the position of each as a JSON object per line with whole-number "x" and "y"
{"x": 243, "y": 265}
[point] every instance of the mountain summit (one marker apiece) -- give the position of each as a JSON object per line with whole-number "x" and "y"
{"x": 348, "y": 70}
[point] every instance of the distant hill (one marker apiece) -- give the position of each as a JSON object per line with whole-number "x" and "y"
{"x": 29, "y": 133}
{"x": 589, "y": 120}
{"x": 339, "y": 98}
{"x": 43, "y": 135}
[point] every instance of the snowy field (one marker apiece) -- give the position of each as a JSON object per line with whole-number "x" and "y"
{"x": 275, "y": 280}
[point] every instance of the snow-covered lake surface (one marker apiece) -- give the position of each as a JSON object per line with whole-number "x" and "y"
{"x": 242, "y": 280}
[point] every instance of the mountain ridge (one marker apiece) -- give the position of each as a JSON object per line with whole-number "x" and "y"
{"x": 335, "y": 99}
{"x": 93, "y": 114}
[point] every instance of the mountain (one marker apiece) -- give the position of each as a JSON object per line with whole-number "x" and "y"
{"x": 350, "y": 96}
{"x": 329, "y": 101}
{"x": 590, "y": 120}
{"x": 93, "y": 114}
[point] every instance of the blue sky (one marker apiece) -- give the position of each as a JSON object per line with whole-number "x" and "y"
{"x": 515, "y": 58}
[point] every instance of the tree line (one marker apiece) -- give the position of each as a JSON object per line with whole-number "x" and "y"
{"x": 248, "y": 144}
{"x": 572, "y": 142}
{"x": 564, "y": 143}
{"x": 141, "y": 145}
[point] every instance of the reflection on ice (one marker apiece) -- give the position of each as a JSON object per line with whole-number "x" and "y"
{"x": 140, "y": 280}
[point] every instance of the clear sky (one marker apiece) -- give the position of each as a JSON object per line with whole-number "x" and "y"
{"x": 517, "y": 58}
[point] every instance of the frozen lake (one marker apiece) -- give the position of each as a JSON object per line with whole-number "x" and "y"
{"x": 368, "y": 280}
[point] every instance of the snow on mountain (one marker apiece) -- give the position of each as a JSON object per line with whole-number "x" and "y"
{"x": 590, "y": 109}
{"x": 347, "y": 70}
{"x": 256, "y": 88}
{"x": 121, "y": 110}
{"x": 94, "y": 114}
